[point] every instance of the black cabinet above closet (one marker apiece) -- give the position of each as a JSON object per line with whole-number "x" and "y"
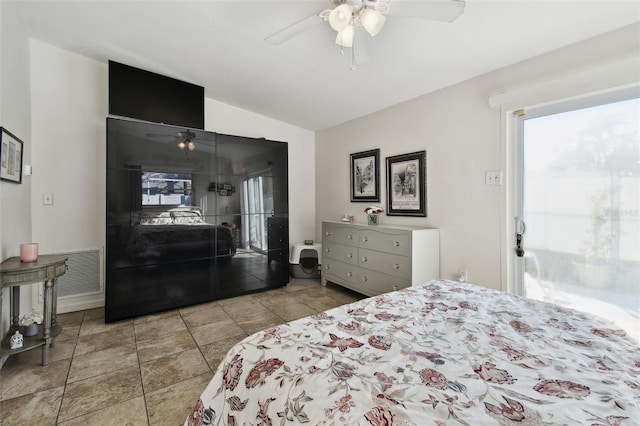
{"x": 189, "y": 215}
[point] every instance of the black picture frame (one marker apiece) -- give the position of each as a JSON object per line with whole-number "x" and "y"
{"x": 365, "y": 176}
{"x": 407, "y": 184}
{"x": 11, "y": 154}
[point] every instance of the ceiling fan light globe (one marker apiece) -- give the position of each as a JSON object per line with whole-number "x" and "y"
{"x": 345, "y": 37}
{"x": 191, "y": 146}
{"x": 372, "y": 21}
{"x": 182, "y": 145}
{"x": 340, "y": 17}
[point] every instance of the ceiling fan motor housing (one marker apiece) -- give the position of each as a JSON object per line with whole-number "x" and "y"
{"x": 357, "y": 5}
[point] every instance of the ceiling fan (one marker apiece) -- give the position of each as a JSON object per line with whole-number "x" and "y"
{"x": 184, "y": 140}
{"x": 349, "y": 17}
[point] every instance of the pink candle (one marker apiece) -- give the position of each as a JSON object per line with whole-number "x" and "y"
{"x": 29, "y": 252}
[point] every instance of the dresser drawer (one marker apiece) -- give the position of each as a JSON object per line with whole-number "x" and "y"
{"x": 372, "y": 283}
{"x": 339, "y": 272}
{"x": 347, "y": 235}
{"x": 389, "y": 241}
{"x": 391, "y": 264}
{"x": 279, "y": 255}
{"x": 342, "y": 253}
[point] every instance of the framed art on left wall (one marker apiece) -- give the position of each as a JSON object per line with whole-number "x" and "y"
{"x": 365, "y": 176}
{"x": 11, "y": 155}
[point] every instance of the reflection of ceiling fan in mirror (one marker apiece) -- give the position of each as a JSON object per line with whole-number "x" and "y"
{"x": 184, "y": 140}
{"x": 355, "y": 21}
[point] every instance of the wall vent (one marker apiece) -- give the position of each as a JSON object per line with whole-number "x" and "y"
{"x": 83, "y": 274}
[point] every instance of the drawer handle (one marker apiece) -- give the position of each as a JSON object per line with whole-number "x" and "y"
{"x": 327, "y": 266}
{"x": 396, "y": 266}
{"x": 349, "y": 255}
{"x": 328, "y": 233}
{"x": 364, "y": 278}
{"x": 349, "y": 274}
{"x": 365, "y": 239}
{"x": 328, "y": 250}
{"x": 396, "y": 243}
{"x": 364, "y": 258}
{"x": 350, "y": 237}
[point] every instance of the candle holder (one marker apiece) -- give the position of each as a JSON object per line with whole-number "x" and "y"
{"x": 29, "y": 252}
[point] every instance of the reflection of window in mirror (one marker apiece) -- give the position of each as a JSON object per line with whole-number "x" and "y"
{"x": 166, "y": 189}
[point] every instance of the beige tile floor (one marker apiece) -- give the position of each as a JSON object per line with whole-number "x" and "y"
{"x": 148, "y": 370}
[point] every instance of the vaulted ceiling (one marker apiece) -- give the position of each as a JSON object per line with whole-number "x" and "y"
{"x": 305, "y": 81}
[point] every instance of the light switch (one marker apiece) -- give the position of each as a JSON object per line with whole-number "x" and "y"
{"x": 47, "y": 199}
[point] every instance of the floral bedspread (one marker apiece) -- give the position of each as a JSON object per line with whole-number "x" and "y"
{"x": 434, "y": 354}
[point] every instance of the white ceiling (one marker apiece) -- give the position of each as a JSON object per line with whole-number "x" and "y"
{"x": 305, "y": 81}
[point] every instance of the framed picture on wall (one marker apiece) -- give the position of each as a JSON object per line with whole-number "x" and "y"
{"x": 11, "y": 154}
{"x": 365, "y": 176}
{"x": 407, "y": 184}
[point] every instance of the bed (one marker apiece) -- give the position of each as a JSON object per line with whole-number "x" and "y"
{"x": 177, "y": 233}
{"x": 439, "y": 353}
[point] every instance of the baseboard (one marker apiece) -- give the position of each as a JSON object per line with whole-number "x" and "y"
{"x": 81, "y": 303}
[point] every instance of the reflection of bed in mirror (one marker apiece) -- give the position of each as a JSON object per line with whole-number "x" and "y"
{"x": 176, "y": 233}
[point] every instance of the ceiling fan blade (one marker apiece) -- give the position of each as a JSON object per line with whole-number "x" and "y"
{"x": 435, "y": 10}
{"x": 293, "y": 30}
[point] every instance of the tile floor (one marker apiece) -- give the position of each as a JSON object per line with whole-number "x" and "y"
{"x": 148, "y": 370}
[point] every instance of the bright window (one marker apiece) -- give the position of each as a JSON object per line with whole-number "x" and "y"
{"x": 166, "y": 189}
{"x": 581, "y": 207}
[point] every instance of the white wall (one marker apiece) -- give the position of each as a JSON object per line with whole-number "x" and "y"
{"x": 69, "y": 108}
{"x": 456, "y": 128}
{"x": 15, "y": 203}
{"x": 464, "y": 137}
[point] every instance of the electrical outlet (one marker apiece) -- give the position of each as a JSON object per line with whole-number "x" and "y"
{"x": 493, "y": 177}
{"x": 462, "y": 275}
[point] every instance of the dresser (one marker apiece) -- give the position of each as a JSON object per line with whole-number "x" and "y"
{"x": 377, "y": 259}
